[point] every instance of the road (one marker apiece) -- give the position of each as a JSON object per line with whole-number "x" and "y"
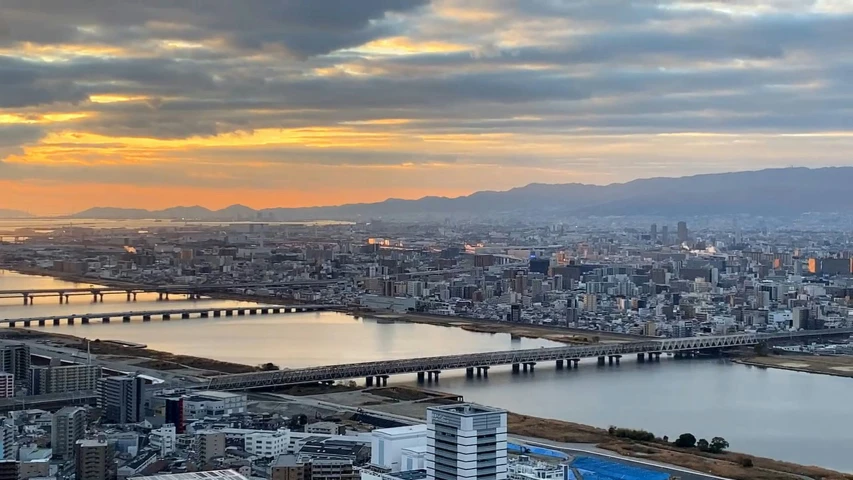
{"x": 589, "y": 450}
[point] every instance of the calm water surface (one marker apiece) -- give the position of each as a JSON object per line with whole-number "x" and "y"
{"x": 791, "y": 416}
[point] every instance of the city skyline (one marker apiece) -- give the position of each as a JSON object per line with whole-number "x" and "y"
{"x": 304, "y": 103}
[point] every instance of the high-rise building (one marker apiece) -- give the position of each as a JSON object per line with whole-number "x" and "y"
{"x": 7, "y": 385}
{"x": 664, "y": 235}
{"x": 682, "y": 232}
{"x": 15, "y": 359}
{"x": 9, "y": 470}
{"x": 466, "y": 441}
{"x": 653, "y": 233}
{"x": 121, "y": 398}
{"x": 7, "y": 440}
{"x": 94, "y": 460}
{"x": 209, "y": 444}
{"x": 68, "y": 426}
{"x": 65, "y": 378}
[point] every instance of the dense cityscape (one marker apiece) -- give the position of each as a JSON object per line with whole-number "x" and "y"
{"x": 92, "y": 415}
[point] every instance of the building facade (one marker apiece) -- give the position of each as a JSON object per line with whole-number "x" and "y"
{"x": 7, "y": 385}
{"x": 94, "y": 460}
{"x": 15, "y": 359}
{"x": 466, "y": 441}
{"x": 68, "y": 426}
{"x": 62, "y": 379}
{"x": 121, "y": 399}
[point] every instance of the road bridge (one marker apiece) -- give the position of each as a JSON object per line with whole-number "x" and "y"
{"x": 194, "y": 291}
{"x": 182, "y": 313}
{"x": 431, "y": 367}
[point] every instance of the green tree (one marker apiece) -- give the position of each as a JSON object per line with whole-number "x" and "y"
{"x": 685, "y": 440}
{"x": 703, "y": 445}
{"x": 718, "y": 445}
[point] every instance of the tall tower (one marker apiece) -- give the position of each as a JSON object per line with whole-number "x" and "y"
{"x": 682, "y": 232}
{"x": 466, "y": 441}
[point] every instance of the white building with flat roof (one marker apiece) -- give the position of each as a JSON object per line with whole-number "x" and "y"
{"x": 387, "y": 444}
{"x": 211, "y": 403}
{"x": 466, "y": 441}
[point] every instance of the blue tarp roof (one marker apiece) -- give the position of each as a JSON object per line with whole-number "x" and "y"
{"x": 599, "y": 469}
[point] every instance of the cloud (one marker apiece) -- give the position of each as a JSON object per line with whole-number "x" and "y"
{"x": 155, "y": 92}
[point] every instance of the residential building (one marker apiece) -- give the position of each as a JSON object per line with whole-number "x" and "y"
{"x": 9, "y": 470}
{"x": 387, "y": 445}
{"x": 33, "y": 469}
{"x": 15, "y": 359}
{"x": 466, "y": 441}
{"x": 208, "y": 475}
{"x": 286, "y": 467}
{"x": 68, "y": 426}
{"x": 163, "y": 439}
{"x": 94, "y": 460}
{"x": 7, "y": 440}
{"x": 121, "y": 398}
{"x": 209, "y": 444}
{"x": 7, "y": 385}
{"x": 332, "y": 469}
{"x": 64, "y": 378}
{"x": 326, "y": 428}
{"x": 267, "y": 444}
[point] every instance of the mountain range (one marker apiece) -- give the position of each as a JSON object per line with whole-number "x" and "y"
{"x": 7, "y": 213}
{"x": 779, "y": 192}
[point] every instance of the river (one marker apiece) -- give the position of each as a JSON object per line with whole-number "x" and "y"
{"x": 797, "y": 417}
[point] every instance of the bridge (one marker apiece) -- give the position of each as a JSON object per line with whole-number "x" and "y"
{"x": 183, "y": 313}
{"x": 97, "y": 293}
{"x": 431, "y": 367}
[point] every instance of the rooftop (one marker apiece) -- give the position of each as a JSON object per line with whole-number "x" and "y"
{"x": 211, "y": 475}
{"x": 286, "y": 460}
{"x": 466, "y": 409}
{"x": 408, "y": 475}
{"x": 599, "y": 469}
{"x": 406, "y": 431}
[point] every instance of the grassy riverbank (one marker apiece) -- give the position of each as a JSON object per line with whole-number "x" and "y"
{"x": 837, "y": 366}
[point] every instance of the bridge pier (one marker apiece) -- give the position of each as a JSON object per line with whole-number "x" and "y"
{"x": 575, "y": 362}
{"x": 204, "y": 314}
{"x": 84, "y": 320}
{"x": 26, "y": 299}
{"x": 516, "y": 368}
{"x": 166, "y": 316}
{"x": 217, "y": 313}
{"x": 641, "y": 358}
{"x": 484, "y": 371}
{"x": 12, "y": 324}
{"x": 253, "y": 311}
{"x": 26, "y": 323}
{"x": 656, "y": 354}
{"x": 559, "y": 364}
{"x": 229, "y": 313}
{"x": 105, "y": 320}
{"x": 265, "y": 311}
{"x": 42, "y": 322}
{"x": 241, "y": 312}
{"x": 61, "y": 298}
{"x": 433, "y": 374}
{"x": 146, "y": 318}
{"x": 469, "y": 372}
{"x": 421, "y": 376}
{"x": 56, "y": 321}
{"x": 185, "y": 315}
{"x": 382, "y": 380}
{"x": 600, "y": 361}
{"x": 368, "y": 382}
{"x": 125, "y": 319}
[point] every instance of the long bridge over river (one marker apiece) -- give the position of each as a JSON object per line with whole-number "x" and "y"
{"x": 183, "y": 313}
{"x": 431, "y": 367}
{"x": 98, "y": 292}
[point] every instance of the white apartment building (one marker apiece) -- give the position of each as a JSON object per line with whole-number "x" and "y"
{"x": 387, "y": 444}
{"x": 164, "y": 439}
{"x": 466, "y": 441}
{"x": 267, "y": 444}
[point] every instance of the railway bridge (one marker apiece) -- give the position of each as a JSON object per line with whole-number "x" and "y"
{"x": 429, "y": 368}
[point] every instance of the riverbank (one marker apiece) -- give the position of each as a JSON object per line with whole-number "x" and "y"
{"x": 556, "y": 334}
{"x": 836, "y": 366}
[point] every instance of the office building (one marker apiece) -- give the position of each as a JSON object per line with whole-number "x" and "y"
{"x": 163, "y": 439}
{"x": 7, "y": 385}
{"x": 211, "y": 403}
{"x": 94, "y": 460}
{"x": 15, "y": 359}
{"x": 268, "y": 444}
{"x": 121, "y": 399}
{"x": 539, "y": 265}
{"x": 664, "y": 235}
{"x": 209, "y": 444}
{"x": 63, "y": 379}
{"x": 68, "y": 426}
{"x": 653, "y": 233}
{"x": 387, "y": 445}
{"x": 682, "y": 232}
{"x": 466, "y": 441}
{"x": 7, "y": 440}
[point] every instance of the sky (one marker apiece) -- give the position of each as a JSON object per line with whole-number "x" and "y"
{"x": 266, "y": 103}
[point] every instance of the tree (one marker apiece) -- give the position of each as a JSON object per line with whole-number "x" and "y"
{"x": 718, "y": 445}
{"x": 268, "y": 367}
{"x": 703, "y": 445}
{"x": 685, "y": 440}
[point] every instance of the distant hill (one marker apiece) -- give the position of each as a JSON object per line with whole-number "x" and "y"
{"x": 7, "y": 213}
{"x": 785, "y": 191}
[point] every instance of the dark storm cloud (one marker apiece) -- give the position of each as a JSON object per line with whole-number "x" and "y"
{"x": 304, "y": 27}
